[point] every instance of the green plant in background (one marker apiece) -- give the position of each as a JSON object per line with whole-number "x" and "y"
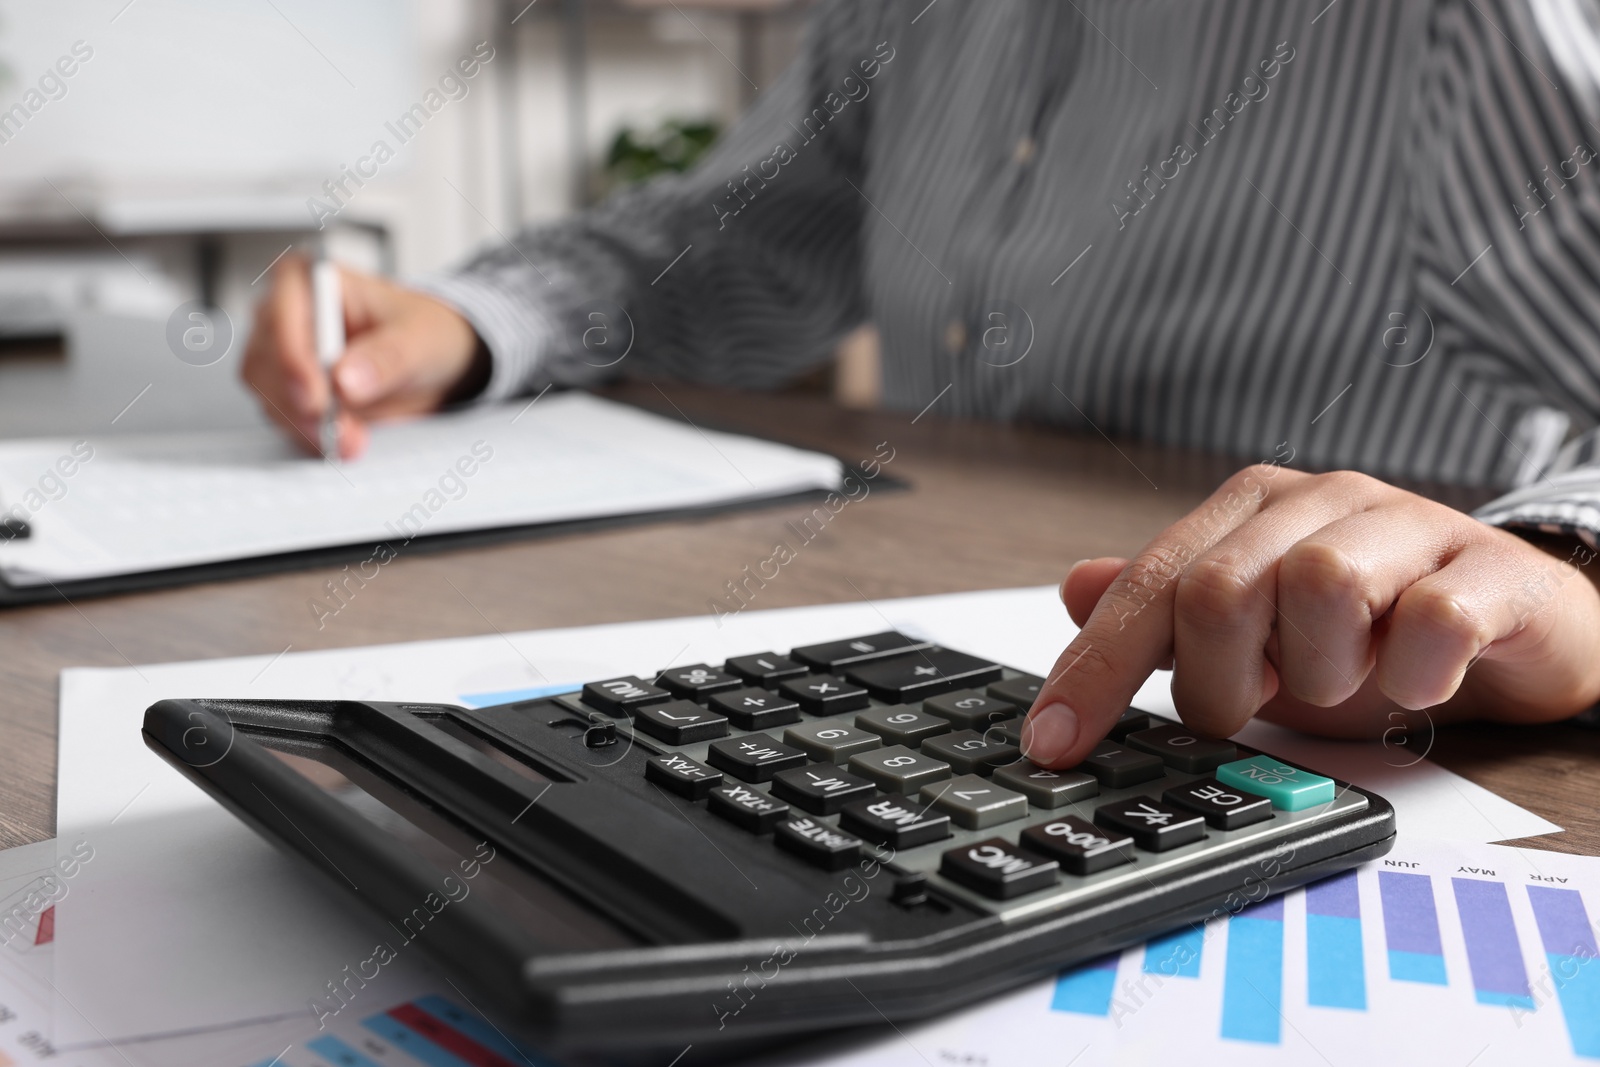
{"x": 675, "y": 145}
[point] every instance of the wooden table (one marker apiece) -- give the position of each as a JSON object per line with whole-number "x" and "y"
{"x": 991, "y": 506}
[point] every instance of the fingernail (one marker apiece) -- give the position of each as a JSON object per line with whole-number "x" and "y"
{"x": 1075, "y": 566}
{"x": 1049, "y": 733}
{"x": 358, "y": 379}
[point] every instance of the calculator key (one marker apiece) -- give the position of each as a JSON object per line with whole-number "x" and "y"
{"x": 823, "y": 694}
{"x": 617, "y": 695}
{"x": 1289, "y": 788}
{"x": 969, "y": 709}
{"x": 756, "y": 709}
{"x": 682, "y": 775}
{"x": 998, "y": 869}
{"x": 764, "y": 668}
{"x": 922, "y": 674}
{"x": 897, "y": 769}
{"x": 754, "y": 757}
{"x": 1152, "y": 824}
{"x": 1078, "y": 845}
{"x": 679, "y": 722}
{"x": 974, "y": 803}
{"x": 747, "y": 808}
{"x": 817, "y": 842}
{"x": 830, "y": 740}
{"x": 697, "y": 681}
{"x": 902, "y": 726}
{"x": 1005, "y": 733}
{"x": 1131, "y": 720}
{"x": 819, "y": 789}
{"x": 835, "y": 654}
{"x": 1047, "y": 789}
{"x": 1019, "y": 690}
{"x": 898, "y": 822}
{"x": 1224, "y": 807}
{"x": 1183, "y": 750}
{"x": 969, "y": 752}
{"x": 1117, "y": 767}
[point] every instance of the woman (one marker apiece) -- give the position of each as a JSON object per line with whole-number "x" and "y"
{"x": 1361, "y": 235}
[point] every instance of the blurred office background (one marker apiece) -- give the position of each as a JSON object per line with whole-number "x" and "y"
{"x": 158, "y": 155}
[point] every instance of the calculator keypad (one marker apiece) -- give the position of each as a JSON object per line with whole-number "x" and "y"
{"x": 938, "y": 777}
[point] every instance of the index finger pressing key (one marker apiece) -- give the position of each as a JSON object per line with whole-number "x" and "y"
{"x": 1129, "y": 634}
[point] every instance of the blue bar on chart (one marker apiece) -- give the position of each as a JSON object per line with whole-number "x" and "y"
{"x": 1252, "y": 980}
{"x": 1176, "y": 955}
{"x": 1087, "y": 988}
{"x": 1574, "y": 958}
{"x": 1411, "y": 928}
{"x": 1335, "y": 966}
{"x": 1493, "y": 953}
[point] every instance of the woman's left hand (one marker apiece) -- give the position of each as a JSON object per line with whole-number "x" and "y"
{"x": 1327, "y": 603}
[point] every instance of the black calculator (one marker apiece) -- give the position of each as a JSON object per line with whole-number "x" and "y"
{"x": 729, "y": 855}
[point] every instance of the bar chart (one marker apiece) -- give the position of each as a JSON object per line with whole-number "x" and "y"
{"x": 1512, "y": 952}
{"x": 430, "y": 1031}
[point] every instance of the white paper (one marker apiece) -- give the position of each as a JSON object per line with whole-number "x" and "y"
{"x": 210, "y": 893}
{"x": 1135, "y": 1016}
{"x": 132, "y": 503}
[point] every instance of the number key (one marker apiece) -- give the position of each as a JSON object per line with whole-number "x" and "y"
{"x": 1078, "y": 845}
{"x": 969, "y": 709}
{"x": 1047, "y": 789}
{"x": 897, "y": 769}
{"x": 1117, "y": 767}
{"x": 1020, "y": 690}
{"x": 902, "y": 726}
{"x": 1183, "y": 749}
{"x": 975, "y": 803}
{"x": 830, "y": 740}
{"x": 969, "y": 752}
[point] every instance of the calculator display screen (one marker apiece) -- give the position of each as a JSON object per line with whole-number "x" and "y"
{"x": 555, "y": 919}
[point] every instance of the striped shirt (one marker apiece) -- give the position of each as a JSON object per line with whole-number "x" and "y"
{"x": 1361, "y": 233}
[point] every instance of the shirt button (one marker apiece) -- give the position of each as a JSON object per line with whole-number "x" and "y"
{"x": 1024, "y": 152}
{"x": 955, "y": 337}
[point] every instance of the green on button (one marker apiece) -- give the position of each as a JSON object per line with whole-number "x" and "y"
{"x": 1289, "y": 788}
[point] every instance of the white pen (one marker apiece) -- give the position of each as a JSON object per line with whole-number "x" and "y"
{"x": 327, "y": 304}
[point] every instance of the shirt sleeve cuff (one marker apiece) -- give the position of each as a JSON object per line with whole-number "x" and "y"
{"x": 516, "y": 330}
{"x": 1566, "y": 504}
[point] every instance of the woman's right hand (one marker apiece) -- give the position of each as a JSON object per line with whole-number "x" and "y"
{"x": 406, "y": 353}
